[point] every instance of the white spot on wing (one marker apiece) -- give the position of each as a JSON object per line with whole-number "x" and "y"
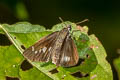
{"x": 40, "y": 51}
{"x": 49, "y": 49}
{"x": 44, "y": 49}
{"x": 53, "y": 62}
{"x": 33, "y": 48}
{"x": 66, "y": 58}
{"x": 36, "y": 52}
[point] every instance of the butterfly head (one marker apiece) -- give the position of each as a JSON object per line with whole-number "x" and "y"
{"x": 69, "y": 27}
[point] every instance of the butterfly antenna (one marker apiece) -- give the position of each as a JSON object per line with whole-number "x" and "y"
{"x": 82, "y": 21}
{"x": 61, "y": 19}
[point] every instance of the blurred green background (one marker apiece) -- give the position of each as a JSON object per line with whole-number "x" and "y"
{"x": 103, "y": 15}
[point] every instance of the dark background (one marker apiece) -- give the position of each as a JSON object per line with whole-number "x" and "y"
{"x": 103, "y": 15}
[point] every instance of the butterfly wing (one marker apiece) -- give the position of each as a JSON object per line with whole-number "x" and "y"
{"x": 40, "y": 50}
{"x": 58, "y": 47}
{"x": 69, "y": 53}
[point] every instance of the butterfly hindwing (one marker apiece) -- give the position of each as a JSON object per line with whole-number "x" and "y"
{"x": 40, "y": 50}
{"x": 69, "y": 53}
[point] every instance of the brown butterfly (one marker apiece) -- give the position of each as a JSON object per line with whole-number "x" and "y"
{"x": 57, "y": 47}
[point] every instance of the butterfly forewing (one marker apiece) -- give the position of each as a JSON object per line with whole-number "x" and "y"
{"x": 56, "y": 51}
{"x": 40, "y": 50}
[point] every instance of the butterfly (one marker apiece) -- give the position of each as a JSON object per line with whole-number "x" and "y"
{"x": 57, "y": 47}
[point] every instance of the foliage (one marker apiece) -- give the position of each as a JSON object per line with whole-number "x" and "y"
{"x": 117, "y": 66}
{"x": 92, "y": 65}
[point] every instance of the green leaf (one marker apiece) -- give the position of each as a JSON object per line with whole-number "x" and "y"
{"x": 10, "y": 65}
{"x": 23, "y": 27}
{"x": 92, "y": 59}
{"x": 33, "y": 74}
{"x": 103, "y": 70}
{"x": 116, "y": 63}
{"x": 1, "y": 31}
